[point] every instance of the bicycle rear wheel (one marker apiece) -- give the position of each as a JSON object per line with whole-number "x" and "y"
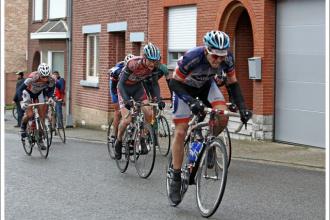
{"x": 225, "y": 136}
{"x": 42, "y": 139}
{"x": 211, "y": 177}
{"x": 61, "y": 131}
{"x": 49, "y": 127}
{"x": 28, "y": 142}
{"x": 14, "y": 112}
{"x": 111, "y": 140}
{"x": 145, "y": 159}
{"x": 122, "y": 164}
{"x": 164, "y": 135}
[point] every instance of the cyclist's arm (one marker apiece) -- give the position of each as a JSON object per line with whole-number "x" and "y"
{"x": 155, "y": 90}
{"x": 235, "y": 91}
{"x": 121, "y": 84}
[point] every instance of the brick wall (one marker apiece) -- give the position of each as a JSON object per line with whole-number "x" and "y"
{"x": 15, "y": 43}
{"x": 102, "y": 12}
{"x": 226, "y": 15}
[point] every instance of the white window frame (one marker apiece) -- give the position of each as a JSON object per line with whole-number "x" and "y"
{"x": 50, "y": 58}
{"x": 34, "y": 10}
{"x": 95, "y": 77}
{"x": 54, "y": 18}
{"x": 173, "y": 61}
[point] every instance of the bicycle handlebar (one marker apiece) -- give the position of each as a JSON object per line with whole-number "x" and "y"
{"x": 217, "y": 111}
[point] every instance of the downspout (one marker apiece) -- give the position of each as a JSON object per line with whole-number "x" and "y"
{"x": 69, "y": 123}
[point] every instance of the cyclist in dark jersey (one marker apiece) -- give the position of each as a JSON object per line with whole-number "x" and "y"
{"x": 114, "y": 73}
{"x": 130, "y": 86}
{"x": 194, "y": 77}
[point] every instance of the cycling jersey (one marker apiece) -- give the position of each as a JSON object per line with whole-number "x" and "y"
{"x": 134, "y": 72}
{"x": 35, "y": 85}
{"x": 114, "y": 73}
{"x": 195, "y": 70}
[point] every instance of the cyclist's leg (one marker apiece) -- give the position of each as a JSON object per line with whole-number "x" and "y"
{"x": 28, "y": 112}
{"x": 124, "y": 122}
{"x": 114, "y": 98}
{"x": 181, "y": 116}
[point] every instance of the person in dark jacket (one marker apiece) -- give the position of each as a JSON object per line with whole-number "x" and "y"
{"x": 59, "y": 97}
{"x": 20, "y": 112}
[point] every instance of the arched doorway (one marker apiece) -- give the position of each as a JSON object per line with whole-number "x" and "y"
{"x": 36, "y": 61}
{"x": 236, "y": 22}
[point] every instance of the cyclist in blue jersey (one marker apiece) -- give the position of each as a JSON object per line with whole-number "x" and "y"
{"x": 114, "y": 73}
{"x": 195, "y": 76}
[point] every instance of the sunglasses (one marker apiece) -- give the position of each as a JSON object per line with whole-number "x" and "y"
{"x": 213, "y": 55}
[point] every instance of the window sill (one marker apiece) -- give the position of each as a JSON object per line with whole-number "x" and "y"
{"x": 87, "y": 83}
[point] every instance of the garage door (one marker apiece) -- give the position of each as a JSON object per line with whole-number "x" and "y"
{"x": 300, "y": 72}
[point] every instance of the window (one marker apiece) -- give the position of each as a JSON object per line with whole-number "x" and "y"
{"x": 57, "y": 9}
{"x": 181, "y": 32}
{"x": 92, "y": 58}
{"x": 37, "y": 10}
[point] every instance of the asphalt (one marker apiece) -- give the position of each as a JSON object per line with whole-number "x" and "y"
{"x": 257, "y": 151}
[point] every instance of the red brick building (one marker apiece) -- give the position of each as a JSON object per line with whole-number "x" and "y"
{"x": 16, "y": 30}
{"x": 103, "y": 33}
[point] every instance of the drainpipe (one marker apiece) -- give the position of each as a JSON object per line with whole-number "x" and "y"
{"x": 69, "y": 123}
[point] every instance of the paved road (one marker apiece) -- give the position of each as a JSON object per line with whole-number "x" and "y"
{"x": 79, "y": 181}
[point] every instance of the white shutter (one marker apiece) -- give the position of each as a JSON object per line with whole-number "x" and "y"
{"x": 182, "y": 28}
{"x": 57, "y": 9}
{"x": 38, "y": 7}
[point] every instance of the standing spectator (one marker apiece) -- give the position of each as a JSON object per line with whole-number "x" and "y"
{"x": 20, "y": 112}
{"x": 59, "y": 97}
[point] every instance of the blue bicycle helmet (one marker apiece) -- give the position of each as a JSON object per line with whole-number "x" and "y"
{"x": 151, "y": 52}
{"x": 217, "y": 40}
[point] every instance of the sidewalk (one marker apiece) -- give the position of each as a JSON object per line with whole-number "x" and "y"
{"x": 256, "y": 151}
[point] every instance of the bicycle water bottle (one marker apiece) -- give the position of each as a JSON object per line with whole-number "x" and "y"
{"x": 195, "y": 149}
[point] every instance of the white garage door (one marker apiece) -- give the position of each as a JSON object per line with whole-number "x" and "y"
{"x": 300, "y": 72}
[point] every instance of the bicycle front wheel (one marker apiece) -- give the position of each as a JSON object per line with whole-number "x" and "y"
{"x": 145, "y": 152}
{"x": 225, "y": 136}
{"x": 122, "y": 164}
{"x": 28, "y": 142}
{"x": 164, "y": 135}
{"x": 111, "y": 140}
{"x": 42, "y": 139}
{"x": 211, "y": 178}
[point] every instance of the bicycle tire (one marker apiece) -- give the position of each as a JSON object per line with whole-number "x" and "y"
{"x": 141, "y": 158}
{"x": 44, "y": 136}
{"x": 225, "y": 135}
{"x": 61, "y": 132}
{"x": 110, "y": 141}
{"x": 28, "y": 146}
{"x": 49, "y": 128}
{"x": 204, "y": 170}
{"x": 163, "y": 135}
{"x": 14, "y": 112}
{"x": 122, "y": 164}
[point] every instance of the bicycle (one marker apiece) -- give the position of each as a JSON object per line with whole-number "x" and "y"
{"x": 210, "y": 164}
{"x": 36, "y": 133}
{"x": 132, "y": 149}
{"x": 161, "y": 130}
{"x": 53, "y": 127}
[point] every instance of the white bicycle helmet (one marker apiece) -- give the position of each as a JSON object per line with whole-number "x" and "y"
{"x": 128, "y": 57}
{"x": 44, "y": 69}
